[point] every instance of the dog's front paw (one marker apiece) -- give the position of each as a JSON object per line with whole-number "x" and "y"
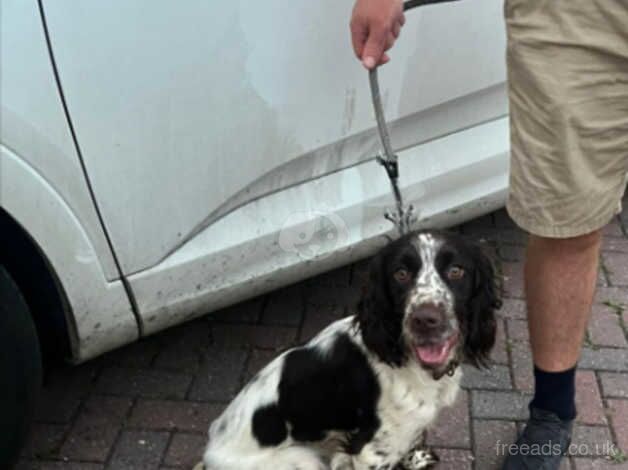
{"x": 419, "y": 459}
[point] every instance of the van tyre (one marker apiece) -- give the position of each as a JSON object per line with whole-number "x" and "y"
{"x": 20, "y": 369}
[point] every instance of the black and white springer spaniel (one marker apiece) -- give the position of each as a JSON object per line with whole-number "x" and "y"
{"x": 361, "y": 393}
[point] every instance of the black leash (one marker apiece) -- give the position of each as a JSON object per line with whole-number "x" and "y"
{"x": 404, "y": 216}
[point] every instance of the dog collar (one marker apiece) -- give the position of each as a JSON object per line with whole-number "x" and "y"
{"x": 451, "y": 368}
{"x": 449, "y": 371}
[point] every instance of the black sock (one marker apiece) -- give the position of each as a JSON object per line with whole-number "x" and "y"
{"x": 555, "y": 392}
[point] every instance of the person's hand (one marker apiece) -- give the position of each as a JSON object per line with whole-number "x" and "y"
{"x": 375, "y": 26}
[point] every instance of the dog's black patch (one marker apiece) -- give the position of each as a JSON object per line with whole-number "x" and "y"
{"x": 269, "y": 428}
{"x": 337, "y": 391}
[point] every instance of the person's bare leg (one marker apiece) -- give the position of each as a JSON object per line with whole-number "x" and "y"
{"x": 560, "y": 279}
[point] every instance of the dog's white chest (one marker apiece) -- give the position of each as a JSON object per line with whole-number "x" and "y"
{"x": 410, "y": 402}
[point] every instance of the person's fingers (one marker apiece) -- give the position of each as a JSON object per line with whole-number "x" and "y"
{"x": 396, "y": 29}
{"x": 402, "y": 19}
{"x": 359, "y": 34}
{"x": 374, "y": 47}
{"x": 384, "y": 60}
{"x": 390, "y": 41}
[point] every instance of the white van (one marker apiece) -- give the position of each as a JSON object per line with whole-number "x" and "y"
{"x": 160, "y": 160}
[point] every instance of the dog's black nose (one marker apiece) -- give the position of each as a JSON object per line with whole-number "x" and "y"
{"x": 427, "y": 318}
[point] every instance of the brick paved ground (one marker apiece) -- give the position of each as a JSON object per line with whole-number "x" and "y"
{"x": 149, "y": 404}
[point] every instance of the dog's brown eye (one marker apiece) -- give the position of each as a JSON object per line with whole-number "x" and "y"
{"x": 402, "y": 275}
{"x": 455, "y": 272}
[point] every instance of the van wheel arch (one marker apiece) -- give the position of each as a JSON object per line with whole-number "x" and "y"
{"x": 45, "y": 298}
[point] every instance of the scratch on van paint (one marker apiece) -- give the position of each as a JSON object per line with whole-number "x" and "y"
{"x": 349, "y": 111}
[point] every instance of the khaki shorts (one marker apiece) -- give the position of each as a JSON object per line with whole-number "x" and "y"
{"x": 568, "y": 89}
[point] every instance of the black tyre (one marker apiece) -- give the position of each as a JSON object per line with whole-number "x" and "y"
{"x": 20, "y": 369}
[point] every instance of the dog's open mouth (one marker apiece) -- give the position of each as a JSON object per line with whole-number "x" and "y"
{"x": 435, "y": 355}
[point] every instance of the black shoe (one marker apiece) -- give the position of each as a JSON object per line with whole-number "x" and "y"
{"x": 542, "y": 445}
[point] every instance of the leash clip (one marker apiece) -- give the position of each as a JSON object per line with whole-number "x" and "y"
{"x": 391, "y": 166}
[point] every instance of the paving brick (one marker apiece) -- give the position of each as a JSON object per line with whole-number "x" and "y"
{"x": 502, "y": 220}
{"x": 174, "y": 415}
{"x": 186, "y": 347}
{"x": 513, "y": 308}
{"x": 139, "y": 450}
{"x": 483, "y": 222}
{"x": 616, "y": 268}
{"x": 96, "y": 428}
{"x": 497, "y": 377}
{"x": 51, "y": 465}
{"x": 513, "y": 236}
{"x": 518, "y": 330}
{"x": 219, "y": 376}
{"x": 590, "y": 441}
{"x": 257, "y": 361}
{"x": 491, "y": 236}
{"x": 337, "y": 277}
{"x": 604, "y": 328}
{"x": 285, "y": 306}
{"x": 614, "y": 384}
{"x": 614, "y": 295}
{"x": 604, "y": 359}
{"x": 511, "y": 253}
{"x": 602, "y": 277}
{"x": 44, "y": 441}
{"x": 454, "y": 459}
{"x": 513, "y": 279}
{"x": 332, "y": 296}
{"x": 623, "y": 215}
{"x": 499, "y": 354}
{"x": 499, "y": 405}
{"x": 185, "y": 450}
{"x": 522, "y": 366}
{"x": 490, "y": 250}
{"x": 243, "y": 312}
{"x": 619, "y": 421}
{"x": 491, "y": 439}
{"x": 613, "y": 229}
{"x": 452, "y": 428}
{"x": 143, "y": 383}
{"x": 480, "y": 232}
{"x": 258, "y": 336}
{"x": 360, "y": 273}
{"x": 138, "y": 354}
{"x": 63, "y": 391}
{"x": 598, "y": 464}
{"x": 588, "y": 399}
{"x": 614, "y": 244}
{"x": 317, "y": 318}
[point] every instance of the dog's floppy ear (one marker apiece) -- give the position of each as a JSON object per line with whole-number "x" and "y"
{"x": 377, "y": 319}
{"x": 480, "y": 321}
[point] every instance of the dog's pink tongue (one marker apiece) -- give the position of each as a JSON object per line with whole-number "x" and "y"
{"x": 433, "y": 354}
